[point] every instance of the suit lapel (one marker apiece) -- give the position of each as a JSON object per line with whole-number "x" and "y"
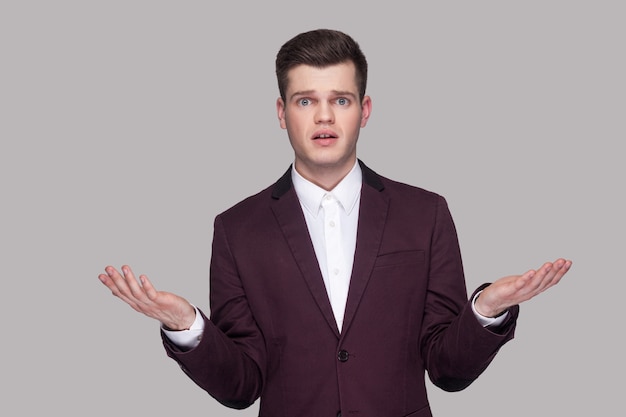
{"x": 372, "y": 216}
{"x": 291, "y": 220}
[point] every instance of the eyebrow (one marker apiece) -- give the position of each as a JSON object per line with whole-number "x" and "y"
{"x": 312, "y": 92}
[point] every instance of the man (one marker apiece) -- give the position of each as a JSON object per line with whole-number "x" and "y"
{"x": 335, "y": 289}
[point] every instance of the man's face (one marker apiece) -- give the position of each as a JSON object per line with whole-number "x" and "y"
{"x": 323, "y": 116}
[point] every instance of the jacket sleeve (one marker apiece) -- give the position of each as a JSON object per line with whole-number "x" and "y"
{"x": 456, "y": 348}
{"x": 229, "y": 361}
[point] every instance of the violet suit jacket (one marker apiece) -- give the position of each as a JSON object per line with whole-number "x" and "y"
{"x": 272, "y": 334}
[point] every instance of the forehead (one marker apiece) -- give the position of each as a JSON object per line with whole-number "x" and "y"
{"x": 338, "y": 77}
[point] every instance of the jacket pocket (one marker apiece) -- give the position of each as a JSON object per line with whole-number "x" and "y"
{"x": 400, "y": 258}
{"x": 424, "y": 412}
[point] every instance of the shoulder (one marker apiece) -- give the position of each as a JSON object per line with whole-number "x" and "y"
{"x": 249, "y": 204}
{"x": 397, "y": 189}
{"x": 260, "y": 202}
{"x": 410, "y": 201}
{"x": 404, "y": 189}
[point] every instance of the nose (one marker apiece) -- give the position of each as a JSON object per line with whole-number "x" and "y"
{"x": 324, "y": 114}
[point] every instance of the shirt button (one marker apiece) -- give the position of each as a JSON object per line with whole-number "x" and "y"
{"x": 343, "y": 356}
{"x": 331, "y": 224}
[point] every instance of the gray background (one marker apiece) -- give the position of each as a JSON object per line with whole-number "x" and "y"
{"x": 124, "y": 124}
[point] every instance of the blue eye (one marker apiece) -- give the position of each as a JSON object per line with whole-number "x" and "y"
{"x": 342, "y": 101}
{"x": 304, "y": 101}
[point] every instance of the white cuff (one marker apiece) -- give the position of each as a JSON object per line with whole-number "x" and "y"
{"x": 487, "y": 321}
{"x": 187, "y": 339}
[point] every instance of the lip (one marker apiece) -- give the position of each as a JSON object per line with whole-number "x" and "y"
{"x": 324, "y": 135}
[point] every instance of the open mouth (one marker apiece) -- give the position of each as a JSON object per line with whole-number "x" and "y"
{"x": 324, "y": 136}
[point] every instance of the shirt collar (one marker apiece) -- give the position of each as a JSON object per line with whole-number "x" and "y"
{"x": 346, "y": 192}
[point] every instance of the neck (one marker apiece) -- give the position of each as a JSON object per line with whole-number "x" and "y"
{"x": 324, "y": 177}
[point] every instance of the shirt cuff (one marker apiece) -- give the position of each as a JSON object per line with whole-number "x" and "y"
{"x": 487, "y": 321}
{"x": 187, "y": 339}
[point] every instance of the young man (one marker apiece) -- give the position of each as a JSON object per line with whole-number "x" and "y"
{"x": 334, "y": 290}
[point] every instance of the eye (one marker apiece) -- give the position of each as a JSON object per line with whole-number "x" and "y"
{"x": 304, "y": 102}
{"x": 342, "y": 101}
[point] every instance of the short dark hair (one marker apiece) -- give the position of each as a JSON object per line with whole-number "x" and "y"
{"x": 320, "y": 48}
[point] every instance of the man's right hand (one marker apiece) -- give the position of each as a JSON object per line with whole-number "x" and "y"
{"x": 173, "y": 311}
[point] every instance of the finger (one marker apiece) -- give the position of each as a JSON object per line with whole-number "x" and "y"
{"x": 148, "y": 288}
{"x": 123, "y": 285}
{"x": 529, "y": 284}
{"x": 551, "y": 274}
{"x": 118, "y": 280}
{"x": 567, "y": 264}
{"x": 111, "y": 280}
{"x": 104, "y": 278}
{"x": 524, "y": 279}
{"x": 561, "y": 266}
{"x": 134, "y": 287}
{"x": 115, "y": 281}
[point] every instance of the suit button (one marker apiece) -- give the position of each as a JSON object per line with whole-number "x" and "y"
{"x": 339, "y": 414}
{"x": 343, "y": 356}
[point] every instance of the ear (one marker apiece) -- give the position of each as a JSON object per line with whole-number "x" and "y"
{"x": 366, "y": 110}
{"x": 280, "y": 111}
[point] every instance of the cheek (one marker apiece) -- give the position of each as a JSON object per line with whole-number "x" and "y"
{"x": 294, "y": 125}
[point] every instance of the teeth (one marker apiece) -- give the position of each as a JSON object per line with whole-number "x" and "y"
{"x": 324, "y": 136}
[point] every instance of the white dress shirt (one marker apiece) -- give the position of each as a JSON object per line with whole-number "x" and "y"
{"x": 332, "y": 218}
